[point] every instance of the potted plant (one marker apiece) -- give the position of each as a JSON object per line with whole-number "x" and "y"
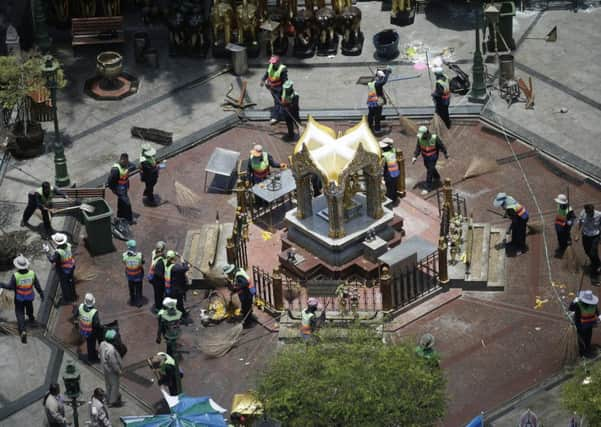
{"x": 23, "y": 85}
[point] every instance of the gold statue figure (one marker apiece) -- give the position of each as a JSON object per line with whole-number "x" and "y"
{"x": 246, "y": 20}
{"x": 339, "y": 5}
{"x": 112, "y": 7}
{"x": 353, "y": 186}
{"x": 88, "y": 8}
{"x": 221, "y": 20}
{"x": 400, "y": 6}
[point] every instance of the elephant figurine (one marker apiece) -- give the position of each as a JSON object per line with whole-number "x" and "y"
{"x": 261, "y": 6}
{"x": 196, "y": 39}
{"x": 221, "y": 21}
{"x": 304, "y": 41}
{"x": 352, "y": 37}
{"x": 246, "y": 21}
{"x": 339, "y": 5}
{"x": 177, "y": 34}
{"x": 328, "y": 40}
{"x": 402, "y": 12}
{"x": 88, "y": 8}
{"x": 112, "y": 7}
{"x": 312, "y": 5}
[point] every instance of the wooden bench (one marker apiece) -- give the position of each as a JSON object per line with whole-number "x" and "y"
{"x": 100, "y": 30}
{"x": 77, "y": 195}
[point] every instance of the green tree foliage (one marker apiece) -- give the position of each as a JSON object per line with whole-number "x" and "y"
{"x": 582, "y": 394}
{"x": 355, "y": 381}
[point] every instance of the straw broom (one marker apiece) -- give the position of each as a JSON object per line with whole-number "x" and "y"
{"x": 409, "y": 127}
{"x": 187, "y": 200}
{"x": 438, "y": 127}
{"x": 6, "y": 300}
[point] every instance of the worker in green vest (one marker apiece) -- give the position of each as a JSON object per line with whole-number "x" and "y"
{"x": 376, "y": 99}
{"x": 169, "y": 375}
{"x": 118, "y": 182}
{"x": 274, "y": 78}
{"x": 41, "y": 199}
{"x": 259, "y": 163}
{"x": 134, "y": 272}
{"x": 240, "y": 283}
{"x": 22, "y": 282}
{"x": 442, "y": 94}
{"x": 169, "y": 318}
{"x": 149, "y": 174}
{"x": 89, "y": 325}
{"x": 586, "y": 317}
{"x": 429, "y": 145}
{"x": 309, "y": 319}
{"x": 290, "y": 107}
{"x": 425, "y": 349}
{"x": 392, "y": 172}
{"x": 564, "y": 219}
{"x": 64, "y": 265}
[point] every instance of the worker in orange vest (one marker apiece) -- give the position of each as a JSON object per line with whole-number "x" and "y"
{"x": 259, "y": 163}
{"x": 275, "y": 76}
{"x": 118, "y": 182}
{"x": 564, "y": 218}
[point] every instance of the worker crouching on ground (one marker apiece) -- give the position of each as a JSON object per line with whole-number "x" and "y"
{"x": 442, "y": 94}
{"x": 118, "y": 182}
{"x": 168, "y": 372}
{"x": 134, "y": 272}
{"x": 391, "y": 169}
{"x": 259, "y": 163}
{"x": 169, "y": 318}
{"x": 519, "y": 223}
{"x": 429, "y": 145}
{"x": 111, "y": 362}
{"x": 275, "y": 76}
{"x": 564, "y": 218}
{"x": 22, "y": 282}
{"x": 156, "y": 274}
{"x": 149, "y": 174}
{"x": 64, "y": 263}
{"x": 89, "y": 325}
{"x": 425, "y": 349}
{"x": 586, "y": 317}
{"x": 239, "y": 282}
{"x": 290, "y": 107}
{"x": 41, "y": 199}
{"x": 376, "y": 99}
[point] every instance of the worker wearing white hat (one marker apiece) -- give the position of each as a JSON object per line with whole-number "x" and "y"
{"x": 64, "y": 263}
{"x": 89, "y": 325}
{"x": 564, "y": 219}
{"x": 392, "y": 171}
{"x": 376, "y": 99}
{"x": 169, "y": 318}
{"x": 429, "y": 145}
{"x": 134, "y": 273}
{"x": 240, "y": 283}
{"x": 22, "y": 282}
{"x": 149, "y": 174}
{"x": 586, "y": 317}
{"x": 519, "y": 222}
{"x": 259, "y": 163}
{"x": 442, "y": 93}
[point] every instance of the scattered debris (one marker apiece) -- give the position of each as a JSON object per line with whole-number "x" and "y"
{"x": 266, "y": 235}
{"x": 150, "y": 134}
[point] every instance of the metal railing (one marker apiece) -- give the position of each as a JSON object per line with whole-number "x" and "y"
{"x": 236, "y": 244}
{"x": 412, "y": 283}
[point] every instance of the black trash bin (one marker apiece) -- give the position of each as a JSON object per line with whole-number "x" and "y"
{"x": 387, "y": 44}
{"x": 141, "y": 43}
{"x": 99, "y": 239}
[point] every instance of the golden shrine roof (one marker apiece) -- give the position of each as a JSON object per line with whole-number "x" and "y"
{"x": 330, "y": 153}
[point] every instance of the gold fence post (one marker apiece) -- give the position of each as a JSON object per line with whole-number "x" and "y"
{"x": 443, "y": 271}
{"x": 447, "y": 191}
{"x": 230, "y": 251}
{"x": 386, "y": 289}
{"x": 278, "y": 292}
{"x": 401, "y": 184}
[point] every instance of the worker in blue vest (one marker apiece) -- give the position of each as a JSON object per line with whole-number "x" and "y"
{"x": 376, "y": 99}
{"x": 429, "y": 145}
{"x": 64, "y": 264}
{"x": 586, "y": 317}
{"x": 274, "y": 78}
{"x": 22, "y": 282}
{"x": 442, "y": 95}
{"x": 134, "y": 272}
{"x": 89, "y": 325}
{"x": 41, "y": 199}
{"x": 259, "y": 163}
{"x": 118, "y": 182}
{"x": 392, "y": 172}
{"x": 239, "y": 282}
{"x": 519, "y": 222}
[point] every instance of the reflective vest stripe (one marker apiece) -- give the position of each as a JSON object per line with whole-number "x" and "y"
{"x": 123, "y": 180}
{"x": 520, "y": 211}
{"x": 260, "y": 167}
{"x": 24, "y": 286}
{"x": 446, "y": 89}
{"x": 155, "y": 259}
{"x": 168, "y": 278}
{"x": 67, "y": 262}
{"x": 286, "y": 97}
{"x": 428, "y": 147}
{"x": 133, "y": 265}
{"x": 43, "y": 198}
{"x": 243, "y": 273}
{"x": 587, "y": 314}
{"x": 149, "y": 159}
{"x": 275, "y": 76}
{"x": 372, "y": 95}
{"x": 86, "y": 319}
{"x": 169, "y": 361}
{"x": 306, "y": 328}
{"x": 391, "y": 163}
{"x": 561, "y": 218}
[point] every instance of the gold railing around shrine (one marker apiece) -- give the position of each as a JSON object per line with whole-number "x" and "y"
{"x": 236, "y": 244}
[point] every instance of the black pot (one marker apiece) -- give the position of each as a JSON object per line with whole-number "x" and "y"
{"x": 26, "y": 146}
{"x": 387, "y": 44}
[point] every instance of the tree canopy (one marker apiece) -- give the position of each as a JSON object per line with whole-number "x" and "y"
{"x": 355, "y": 381}
{"x": 582, "y": 394}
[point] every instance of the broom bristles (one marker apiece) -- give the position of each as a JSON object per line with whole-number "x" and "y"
{"x": 438, "y": 127}
{"x": 408, "y": 125}
{"x": 480, "y": 166}
{"x": 6, "y": 300}
{"x": 186, "y": 198}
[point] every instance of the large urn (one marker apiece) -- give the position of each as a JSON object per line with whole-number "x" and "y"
{"x": 109, "y": 66}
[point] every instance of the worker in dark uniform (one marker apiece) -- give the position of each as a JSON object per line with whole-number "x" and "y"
{"x": 391, "y": 169}
{"x": 41, "y": 199}
{"x": 564, "y": 219}
{"x": 89, "y": 325}
{"x": 429, "y": 145}
{"x": 156, "y": 274}
{"x": 22, "y": 282}
{"x": 290, "y": 108}
{"x": 519, "y": 222}
{"x": 64, "y": 263}
{"x": 149, "y": 174}
{"x": 168, "y": 372}
{"x": 118, "y": 182}
{"x": 442, "y": 95}
{"x": 259, "y": 163}
{"x": 586, "y": 317}
{"x": 274, "y": 78}
{"x": 134, "y": 272}
{"x": 239, "y": 282}
{"x": 176, "y": 282}
{"x": 169, "y": 318}
{"x": 376, "y": 99}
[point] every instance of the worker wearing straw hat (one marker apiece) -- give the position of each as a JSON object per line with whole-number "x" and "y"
{"x": 564, "y": 218}
{"x": 22, "y": 282}
{"x": 149, "y": 174}
{"x": 64, "y": 263}
{"x": 586, "y": 317}
{"x": 259, "y": 163}
{"x": 391, "y": 169}
{"x": 429, "y": 145}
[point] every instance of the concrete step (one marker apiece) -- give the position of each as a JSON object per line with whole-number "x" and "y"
{"x": 478, "y": 268}
{"x": 496, "y": 260}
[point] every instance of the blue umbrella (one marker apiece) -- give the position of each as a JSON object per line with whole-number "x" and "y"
{"x": 476, "y": 422}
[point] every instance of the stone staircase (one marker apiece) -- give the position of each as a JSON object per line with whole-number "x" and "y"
{"x": 482, "y": 264}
